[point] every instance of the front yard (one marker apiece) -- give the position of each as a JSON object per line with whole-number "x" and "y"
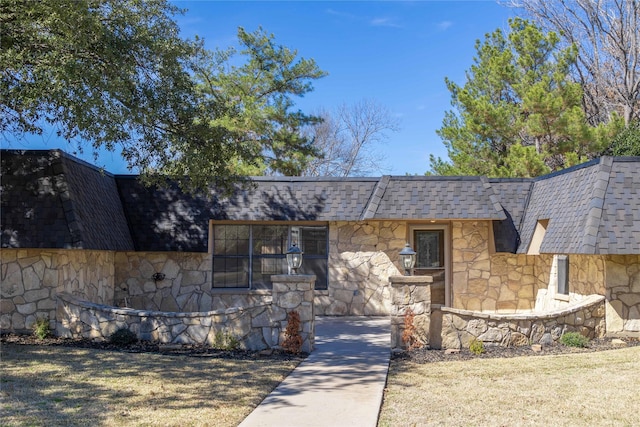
{"x": 63, "y": 386}
{"x": 584, "y": 389}
{"x": 56, "y": 385}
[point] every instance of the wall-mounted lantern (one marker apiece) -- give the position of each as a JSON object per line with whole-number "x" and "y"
{"x": 407, "y": 259}
{"x": 294, "y": 259}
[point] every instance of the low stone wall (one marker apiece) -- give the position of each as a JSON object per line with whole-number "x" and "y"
{"x": 256, "y": 328}
{"x": 410, "y": 292}
{"x": 460, "y": 327}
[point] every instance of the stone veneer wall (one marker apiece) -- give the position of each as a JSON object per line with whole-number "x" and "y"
{"x": 460, "y": 327}
{"x": 186, "y": 287}
{"x": 257, "y": 327}
{"x": 509, "y": 283}
{"x": 32, "y": 278}
{"x": 623, "y": 294}
{"x": 361, "y": 260}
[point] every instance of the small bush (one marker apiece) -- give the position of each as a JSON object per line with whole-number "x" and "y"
{"x": 292, "y": 338}
{"x": 574, "y": 339}
{"x": 410, "y": 333}
{"x": 123, "y": 337}
{"x": 476, "y": 346}
{"x": 225, "y": 341}
{"x": 41, "y": 328}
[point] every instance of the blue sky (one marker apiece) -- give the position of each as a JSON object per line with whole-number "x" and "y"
{"x": 395, "y": 53}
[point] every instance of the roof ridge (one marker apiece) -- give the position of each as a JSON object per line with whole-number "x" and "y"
{"x": 589, "y": 242}
{"x": 495, "y": 201}
{"x": 69, "y": 208}
{"x": 376, "y": 197}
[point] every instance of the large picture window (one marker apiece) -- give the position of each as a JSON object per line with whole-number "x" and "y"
{"x": 247, "y": 255}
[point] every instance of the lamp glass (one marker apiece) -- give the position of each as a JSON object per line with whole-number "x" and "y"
{"x": 407, "y": 259}
{"x": 294, "y": 258}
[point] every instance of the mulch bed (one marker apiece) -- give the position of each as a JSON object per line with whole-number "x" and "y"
{"x": 422, "y": 355}
{"x": 425, "y": 355}
{"x": 149, "y": 347}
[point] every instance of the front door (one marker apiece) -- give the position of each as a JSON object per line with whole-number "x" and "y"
{"x": 431, "y": 259}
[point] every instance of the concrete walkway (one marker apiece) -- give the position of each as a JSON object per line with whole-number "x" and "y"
{"x": 341, "y": 383}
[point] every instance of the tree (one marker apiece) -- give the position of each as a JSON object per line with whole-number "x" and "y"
{"x": 627, "y": 142}
{"x": 606, "y": 35}
{"x": 518, "y": 113}
{"x": 116, "y": 74}
{"x": 245, "y": 109}
{"x": 347, "y": 138}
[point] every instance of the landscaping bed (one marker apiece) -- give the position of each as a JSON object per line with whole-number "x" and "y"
{"x": 426, "y": 355}
{"x": 150, "y": 347}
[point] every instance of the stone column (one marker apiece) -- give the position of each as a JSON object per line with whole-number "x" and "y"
{"x": 294, "y": 292}
{"x": 412, "y": 292}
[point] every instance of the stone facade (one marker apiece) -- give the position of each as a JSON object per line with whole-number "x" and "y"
{"x": 410, "y": 293}
{"x": 185, "y": 283}
{"x": 510, "y": 283}
{"x": 460, "y": 327}
{"x": 256, "y": 328}
{"x": 623, "y": 294}
{"x": 32, "y": 278}
{"x": 486, "y": 281}
{"x": 362, "y": 257}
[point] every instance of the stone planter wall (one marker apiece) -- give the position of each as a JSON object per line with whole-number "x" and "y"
{"x": 256, "y": 328}
{"x": 32, "y": 278}
{"x": 296, "y": 293}
{"x": 460, "y": 327}
{"x": 410, "y": 292}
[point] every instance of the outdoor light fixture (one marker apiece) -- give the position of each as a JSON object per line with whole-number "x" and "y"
{"x": 407, "y": 259}
{"x": 158, "y": 277}
{"x": 294, "y": 259}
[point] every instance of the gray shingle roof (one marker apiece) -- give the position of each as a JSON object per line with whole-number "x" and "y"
{"x": 52, "y": 200}
{"x": 437, "y": 198}
{"x": 619, "y": 230}
{"x": 592, "y": 208}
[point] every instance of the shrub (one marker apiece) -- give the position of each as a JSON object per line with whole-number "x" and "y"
{"x": 123, "y": 337}
{"x": 225, "y": 341}
{"x": 292, "y": 338}
{"x": 41, "y": 328}
{"x": 574, "y": 339}
{"x": 476, "y": 346}
{"x": 410, "y": 333}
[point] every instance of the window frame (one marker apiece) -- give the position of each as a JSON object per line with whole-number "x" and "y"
{"x": 294, "y": 233}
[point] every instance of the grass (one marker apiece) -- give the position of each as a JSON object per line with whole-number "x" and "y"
{"x": 45, "y": 386}
{"x": 599, "y": 388}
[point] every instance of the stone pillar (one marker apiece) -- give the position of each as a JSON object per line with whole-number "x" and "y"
{"x": 294, "y": 292}
{"x": 412, "y": 292}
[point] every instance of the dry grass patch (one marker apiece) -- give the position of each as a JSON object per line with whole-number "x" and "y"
{"x": 599, "y": 388}
{"x": 44, "y": 386}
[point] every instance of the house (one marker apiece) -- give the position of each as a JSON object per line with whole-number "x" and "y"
{"x": 501, "y": 246}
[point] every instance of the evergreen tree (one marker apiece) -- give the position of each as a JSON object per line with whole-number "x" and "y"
{"x": 519, "y": 113}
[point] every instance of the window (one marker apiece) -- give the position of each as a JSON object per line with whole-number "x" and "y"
{"x": 247, "y": 255}
{"x": 429, "y": 247}
{"x": 563, "y": 274}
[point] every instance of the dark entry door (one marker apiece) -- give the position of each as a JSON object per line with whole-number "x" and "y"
{"x": 430, "y": 260}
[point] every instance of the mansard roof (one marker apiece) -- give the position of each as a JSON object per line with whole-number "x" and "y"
{"x": 593, "y": 208}
{"x": 51, "y": 199}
